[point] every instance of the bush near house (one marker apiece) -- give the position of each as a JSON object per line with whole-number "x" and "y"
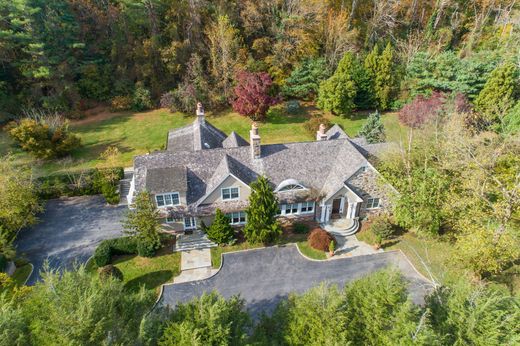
{"x": 110, "y": 247}
{"x": 220, "y": 231}
{"x": 382, "y": 228}
{"x": 320, "y": 239}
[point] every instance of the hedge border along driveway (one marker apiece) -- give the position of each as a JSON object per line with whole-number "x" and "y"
{"x": 265, "y": 276}
{"x": 69, "y": 231}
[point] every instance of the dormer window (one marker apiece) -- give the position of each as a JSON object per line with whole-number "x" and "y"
{"x": 167, "y": 199}
{"x": 289, "y": 185}
{"x": 230, "y": 193}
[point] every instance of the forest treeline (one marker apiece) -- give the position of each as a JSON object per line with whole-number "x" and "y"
{"x": 68, "y": 55}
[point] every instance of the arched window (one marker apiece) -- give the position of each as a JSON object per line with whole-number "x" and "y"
{"x": 289, "y": 185}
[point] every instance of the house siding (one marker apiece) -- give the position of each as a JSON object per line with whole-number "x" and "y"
{"x": 216, "y": 196}
{"x": 367, "y": 184}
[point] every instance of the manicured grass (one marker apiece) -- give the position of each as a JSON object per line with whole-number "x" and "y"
{"x": 142, "y": 271}
{"x": 148, "y": 272}
{"x": 139, "y": 133}
{"x": 216, "y": 252}
{"x": 21, "y": 274}
{"x": 310, "y": 252}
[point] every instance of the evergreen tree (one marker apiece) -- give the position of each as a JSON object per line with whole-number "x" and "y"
{"x": 262, "y": 226}
{"x": 499, "y": 92}
{"x": 373, "y": 129}
{"x": 337, "y": 93}
{"x": 208, "y": 320}
{"x": 143, "y": 223}
{"x": 304, "y": 81}
{"x": 220, "y": 231}
{"x": 380, "y": 69}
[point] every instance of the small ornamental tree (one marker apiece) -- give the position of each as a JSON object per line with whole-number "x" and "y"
{"x": 252, "y": 97}
{"x": 143, "y": 223}
{"x": 373, "y": 130}
{"x": 421, "y": 110}
{"x": 220, "y": 231}
{"x": 499, "y": 92}
{"x": 262, "y": 226}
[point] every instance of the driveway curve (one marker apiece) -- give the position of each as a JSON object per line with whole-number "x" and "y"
{"x": 263, "y": 277}
{"x": 68, "y": 231}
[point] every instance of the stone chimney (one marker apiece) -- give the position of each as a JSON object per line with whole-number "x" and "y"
{"x": 200, "y": 112}
{"x": 254, "y": 140}
{"x": 321, "y": 135}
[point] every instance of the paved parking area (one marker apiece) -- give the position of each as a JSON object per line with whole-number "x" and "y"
{"x": 265, "y": 276}
{"x": 69, "y": 230}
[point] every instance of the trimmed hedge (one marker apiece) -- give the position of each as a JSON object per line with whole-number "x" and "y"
{"x": 79, "y": 184}
{"x": 110, "y": 247}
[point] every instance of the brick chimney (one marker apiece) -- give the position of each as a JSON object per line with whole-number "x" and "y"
{"x": 254, "y": 140}
{"x": 321, "y": 135}
{"x": 200, "y": 112}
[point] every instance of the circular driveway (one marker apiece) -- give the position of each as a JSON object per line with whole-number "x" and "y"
{"x": 68, "y": 232}
{"x": 262, "y": 277}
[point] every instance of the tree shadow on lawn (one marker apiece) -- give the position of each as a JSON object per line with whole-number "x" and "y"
{"x": 150, "y": 280}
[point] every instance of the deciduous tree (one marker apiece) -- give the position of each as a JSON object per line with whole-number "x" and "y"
{"x": 252, "y": 97}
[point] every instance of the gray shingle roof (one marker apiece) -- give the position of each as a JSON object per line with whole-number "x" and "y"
{"x": 234, "y": 140}
{"x": 197, "y": 136}
{"x": 321, "y": 165}
{"x": 336, "y": 132}
{"x": 166, "y": 179}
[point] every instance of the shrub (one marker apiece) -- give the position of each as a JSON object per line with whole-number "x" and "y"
{"x": 42, "y": 138}
{"x": 382, "y": 228}
{"x": 117, "y": 246}
{"x": 300, "y": 228}
{"x": 220, "y": 231}
{"x": 320, "y": 239}
{"x": 293, "y": 107}
{"x": 145, "y": 249}
{"x": 121, "y": 103}
{"x": 312, "y": 125}
{"x": 103, "y": 254}
{"x": 373, "y": 129}
{"x": 141, "y": 99}
{"x": 110, "y": 193}
{"x": 252, "y": 97}
{"x": 110, "y": 271}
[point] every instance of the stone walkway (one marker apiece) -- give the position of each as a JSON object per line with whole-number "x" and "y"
{"x": 195, "y": 265}
{"x": 350, "y": 246}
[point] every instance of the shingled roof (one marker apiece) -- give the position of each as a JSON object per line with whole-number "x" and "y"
{"x": 197, "y": 136}
{"x": 166, "y": 179}
{"x": 234, "y": 140}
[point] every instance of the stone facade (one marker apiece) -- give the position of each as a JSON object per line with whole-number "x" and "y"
{"x": 368, "y": 184}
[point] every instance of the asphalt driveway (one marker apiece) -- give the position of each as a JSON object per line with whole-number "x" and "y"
{"x": 68, "y": 231}
{"x": 265, "y": 276}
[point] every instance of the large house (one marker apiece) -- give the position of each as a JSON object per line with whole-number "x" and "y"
{"x": 203, "y": 169}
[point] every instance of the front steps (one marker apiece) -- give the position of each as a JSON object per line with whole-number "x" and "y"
{"x": 124, "y": 185}
{"x": 195, "y": 241}
{"x": 342, "y": 227}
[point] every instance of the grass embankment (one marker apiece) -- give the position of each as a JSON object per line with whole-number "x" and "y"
{"x": 437, "y": 258}
{"x": 139, "y": 133}
{"x": 143, "y": 271}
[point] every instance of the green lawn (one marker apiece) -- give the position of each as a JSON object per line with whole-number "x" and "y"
{"x": 148, "y": 272}
{"x": 310, "y": 252}
{"x": 138, "y": 133}
{"x": 21, "y": 274}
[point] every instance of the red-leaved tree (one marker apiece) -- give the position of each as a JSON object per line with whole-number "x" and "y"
{"x": 252, "y": 97}
{"x": 421, "y": 110}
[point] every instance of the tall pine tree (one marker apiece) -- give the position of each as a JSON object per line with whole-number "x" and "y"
{"x": 262, "y": 226}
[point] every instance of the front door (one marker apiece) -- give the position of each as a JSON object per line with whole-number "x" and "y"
{"x": 336, "y": 205}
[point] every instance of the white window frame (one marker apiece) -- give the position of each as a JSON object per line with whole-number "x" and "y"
{"x": 231, "y": 217}
{"x": 192, "y": 225}
{"x": 171, "y": 196}
{"x": 229, "y": 192}
{"x": 371, "y": 203}
{"x": 309, "y": 206}
{"x": 170, "y": 219}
